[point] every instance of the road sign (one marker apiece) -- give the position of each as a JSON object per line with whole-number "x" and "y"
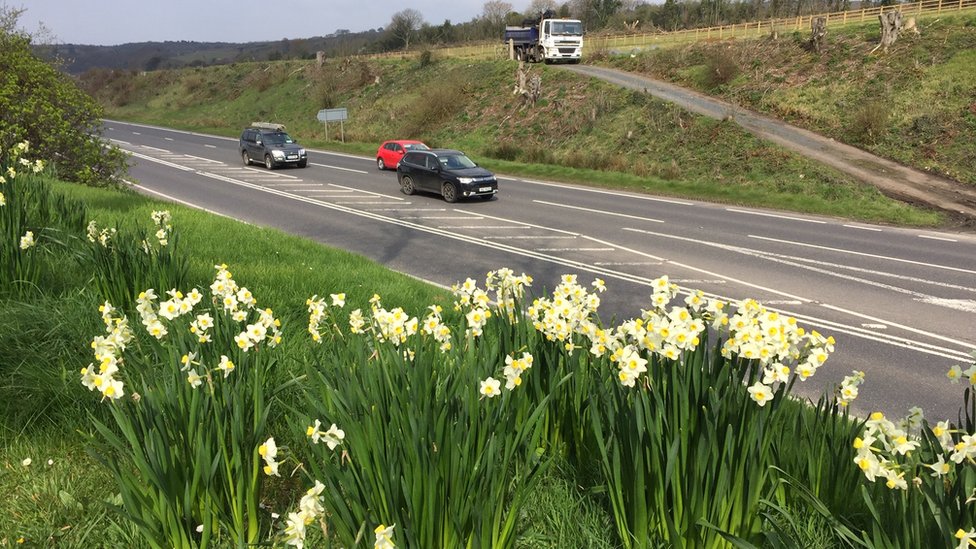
{"x": 332, "y": 115}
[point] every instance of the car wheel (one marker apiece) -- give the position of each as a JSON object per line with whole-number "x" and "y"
{"x": 449, "y": 192}
{"x": 246, "y": 158}
{"x": 406, "y": 185}
{"x": 380, "y": 165}
{"x": 268, "y": 162}
{"x": 303, "y": 164}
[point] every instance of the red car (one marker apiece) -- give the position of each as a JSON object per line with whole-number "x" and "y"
{"x": 390, "y": 152}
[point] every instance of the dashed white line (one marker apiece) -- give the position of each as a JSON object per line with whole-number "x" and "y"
{"x": 577, "y": 250}
{"x": 338, "y": 168}
{"x": 863, "y": 228}
{"x": 533, "y": 237}
{"x": 210, "y": 146}
{"x": 942, "y": 238}
{"x": 479, "y": 227}
{"x": 778, "y": 216}
{"x": 599, "y": 211}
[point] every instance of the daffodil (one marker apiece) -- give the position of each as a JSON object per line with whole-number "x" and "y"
{"x": 384, "y": 537}
{"x": 490, "y": 387}
{"x": 27, "y": 241}
{"x": 760, "y": 393}
{"x": 269, "y": 451}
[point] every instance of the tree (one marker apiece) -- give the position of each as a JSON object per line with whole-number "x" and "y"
{"x": 538, "y": 6}
{"x": 493, "y": 14}
{"x": 43, "y": 106}
{"x": 404, "y": 26}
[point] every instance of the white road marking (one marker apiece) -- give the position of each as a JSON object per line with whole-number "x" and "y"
{"x": 121, "y": 142}
{"x": 466, "y": 218}
{"x": 942, "y": 238}
{"x": 627, "y": 263}
{"x": 529, "y": 237}
{"x": 864, "y": 254}
{"x": 168, "y": 138}
{"x": 161, "y": 161}
{"x": 965, "y": 305}
{"x": 781, "y": 302}
{"x": 863, "y": 228}
{"x": 478, "y": 227}
{"x": 522, "y": 222}
{"x": 207, "y": 145}
{"x": 355, "y": 190}
{"x": 575, "y": 249}
{"x": 338, "y": 167}
{"x": 615, "y": 214}
{"x": 778, "y": 216}
{"x": 202, "y": 159}
{"x": 612, "y": 193}
{"x": 272, "y": 174}
{"x": 871, "y": 326}
{"x": 372, "y": 202}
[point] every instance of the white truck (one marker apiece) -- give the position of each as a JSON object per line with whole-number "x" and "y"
{"x": 547, "y": 39}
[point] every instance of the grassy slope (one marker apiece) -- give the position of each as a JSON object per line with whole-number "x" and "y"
{"x": 916, "y": 104}
{"x": 580, "y": 130}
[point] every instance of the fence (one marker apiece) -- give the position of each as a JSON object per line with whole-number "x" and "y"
{"x": 753, "y": 29}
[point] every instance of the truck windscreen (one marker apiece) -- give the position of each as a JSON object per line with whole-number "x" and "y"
{"x": 567, "y": 27}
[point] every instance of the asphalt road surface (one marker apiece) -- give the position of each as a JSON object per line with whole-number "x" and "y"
{"x": 900, "y": 303}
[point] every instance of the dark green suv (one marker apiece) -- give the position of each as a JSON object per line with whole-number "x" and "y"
{"x": 268, "y": 143}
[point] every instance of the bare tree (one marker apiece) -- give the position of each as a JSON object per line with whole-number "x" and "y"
{"x": 890, "y": 26}
{"x": 404, "y": 26}
{"x": 493, "y": 13}
{"x": 539, "y": 6}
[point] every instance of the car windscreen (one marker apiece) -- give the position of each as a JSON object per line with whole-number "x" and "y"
{"x": 278, "y": 138}
{"x": 456, "y": 161}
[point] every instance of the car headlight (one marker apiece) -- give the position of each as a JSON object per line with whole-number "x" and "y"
{"x": 301, "y": 152}
{"x": 465, "y": 180}
{"x": 278, "y": 154}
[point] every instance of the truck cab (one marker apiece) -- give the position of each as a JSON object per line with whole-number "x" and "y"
{"x": 549, "y": 40}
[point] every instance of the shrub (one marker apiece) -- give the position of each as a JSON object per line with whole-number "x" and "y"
{"x": 720, "y": 69}
{"x": 869, "y": 122}
{"x": 40, "y": 105}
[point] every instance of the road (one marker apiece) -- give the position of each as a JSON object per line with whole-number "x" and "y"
{"x": 900, "y": 303}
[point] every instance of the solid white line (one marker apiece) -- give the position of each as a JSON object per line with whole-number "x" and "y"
{"x": 120, "y": 141}
{"x": 863, "y": 228}
{"x": 154, "y": 149}
{"x": 337, "y": 167}
{"x": 406, "y": 209}
{"x": 864, "y": 254}
{"x": 599, "y": 211}
{"x": 373, "y": 202}
{"x": 895, "y": 324}
{"x": 778, "y": 216}
{"x": 473, "y": 218}
{"x": 183, "y": 202}
{"x": 942, "y": 238}
{"x": 627, "y": 263}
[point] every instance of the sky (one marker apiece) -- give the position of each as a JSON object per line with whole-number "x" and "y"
{"x": 113, "y": 22}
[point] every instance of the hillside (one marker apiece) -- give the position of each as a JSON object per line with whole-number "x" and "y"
{"x": 915, "y": 104}
{"x": 619, "y": 138}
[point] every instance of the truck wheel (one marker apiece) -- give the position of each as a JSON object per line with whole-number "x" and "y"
{"x": 449, "y": 192}
{"x": 246, "y": 158}
{"x": 519, "y": 55}
{"x": 268, "y": 162}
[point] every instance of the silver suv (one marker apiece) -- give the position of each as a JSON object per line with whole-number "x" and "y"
{"x": 268, "y": 143}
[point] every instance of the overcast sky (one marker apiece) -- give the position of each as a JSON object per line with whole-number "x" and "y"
{"x": 111, "y": 22}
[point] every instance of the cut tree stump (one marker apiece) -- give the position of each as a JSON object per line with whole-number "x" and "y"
{"x": 890, "y": 26}
{"x": 818, "y": 27}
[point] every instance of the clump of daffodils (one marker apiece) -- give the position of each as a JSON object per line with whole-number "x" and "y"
{"x": 161, "y": 219}
{"x": 101, "y": 236}
{"x": 570, "y": 311}
{"x": 108, "y": 351}
{"x": 394, "y": 325}
{"x": 309, "y": 508}
{"x": 434, "y": 326}
{"x": 881, "y": 451}
{"x": 332, "y": 438}
{"x": 318, "y": 312}
{"x": 269, "y": 453}
{"x": 509, "y": 290}
{"x": 848, "y": 389}
{"x": 476, "y": 303}
{"x": 260, "y": 327}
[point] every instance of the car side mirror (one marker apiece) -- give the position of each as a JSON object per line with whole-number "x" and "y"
{"x": 258, "y": 141}
{"x": 295, "y": 141}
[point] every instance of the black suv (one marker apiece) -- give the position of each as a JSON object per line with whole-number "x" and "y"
{"x": 447, "y": 172}
{"x": 268, "y": 143}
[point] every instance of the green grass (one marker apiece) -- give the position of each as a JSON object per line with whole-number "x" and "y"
{"x": 924, "y": 86}
{"x": 581, "y": 130}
